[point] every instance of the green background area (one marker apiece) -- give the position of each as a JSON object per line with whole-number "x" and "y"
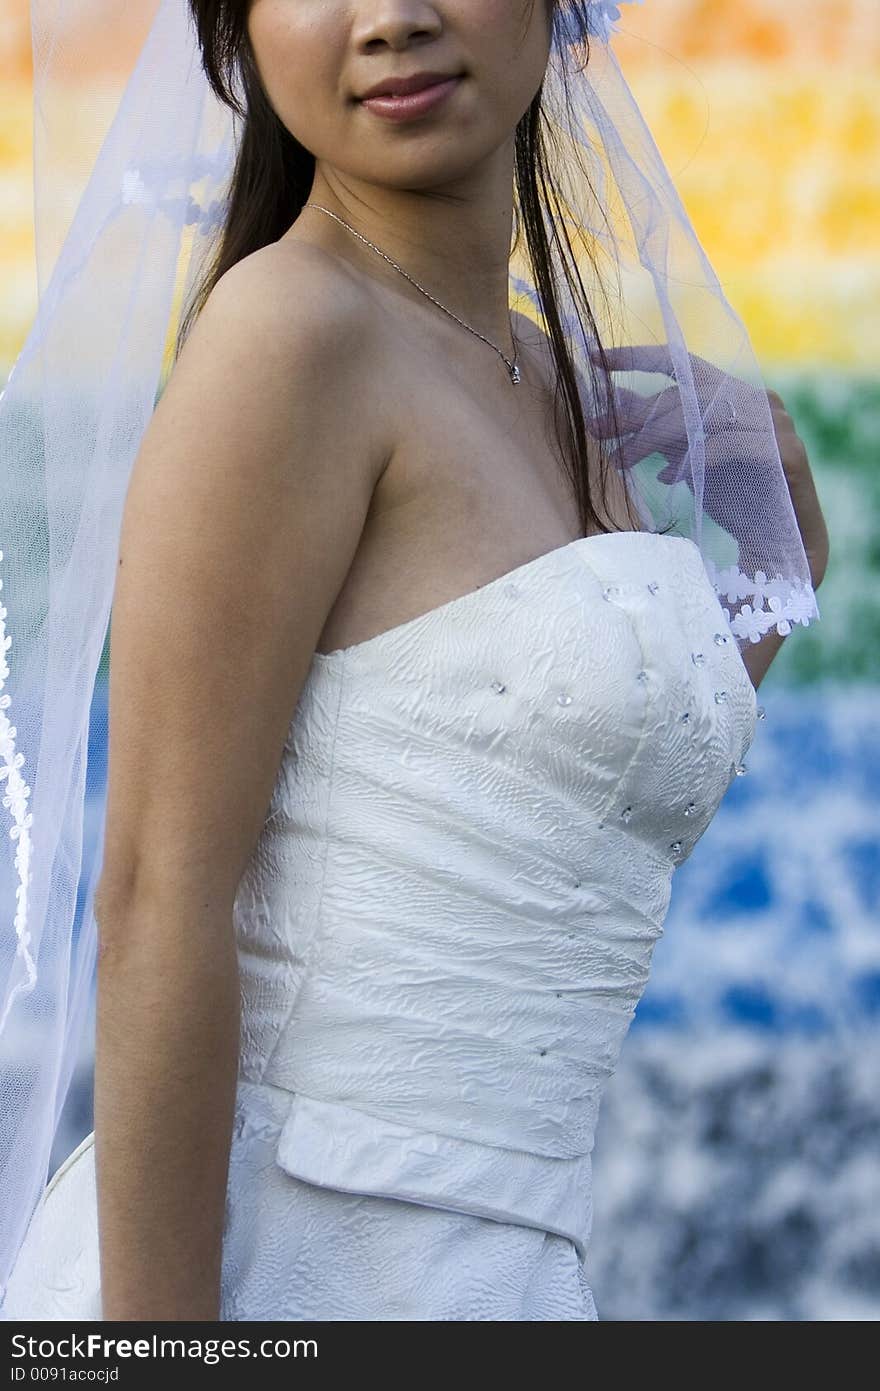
{"x": 838, "y": 418}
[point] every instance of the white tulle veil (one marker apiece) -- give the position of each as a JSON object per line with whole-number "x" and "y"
{"x": 129, "y": 198}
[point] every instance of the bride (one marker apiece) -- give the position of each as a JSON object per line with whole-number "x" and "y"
{"x": 413, "y": 715}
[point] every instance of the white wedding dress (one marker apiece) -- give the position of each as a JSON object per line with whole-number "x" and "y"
{"x": 443, "y": 934}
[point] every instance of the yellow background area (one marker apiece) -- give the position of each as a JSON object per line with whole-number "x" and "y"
{"x": 767, "y": 115}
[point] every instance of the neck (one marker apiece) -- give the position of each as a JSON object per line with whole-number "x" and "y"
{"x": 457, "y": 248}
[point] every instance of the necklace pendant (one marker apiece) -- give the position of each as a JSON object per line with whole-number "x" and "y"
{"x": 514, "y": 373}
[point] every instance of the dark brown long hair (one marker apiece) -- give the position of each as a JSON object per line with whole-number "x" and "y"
{"x": 273, "y": 176}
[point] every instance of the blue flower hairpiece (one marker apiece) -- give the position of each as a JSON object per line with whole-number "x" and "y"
{"x": 602, "y": 19}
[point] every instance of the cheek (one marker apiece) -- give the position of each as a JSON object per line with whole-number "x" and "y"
{"x": 300, "y": 57}
{"x": 520, "y": 22}
{"x": 520, "y": 45}
{"x": 299, "y": 77}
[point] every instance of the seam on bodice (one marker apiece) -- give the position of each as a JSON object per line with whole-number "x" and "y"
{"x": 646, "y": 710}
{"x": 318, "y": 929}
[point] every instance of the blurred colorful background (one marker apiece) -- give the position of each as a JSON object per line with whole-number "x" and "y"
{"x": 737, "y": 1165}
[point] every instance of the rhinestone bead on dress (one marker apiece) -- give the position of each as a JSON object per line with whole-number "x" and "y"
{"x": 653, "y": 586}
{"x": 698, "y": 659}
{"x": 690, "y": 808}
{"x": 675, "y": 847}
{"x": 609, "y": 591}
{"x": 740, "y": 769}
{"x": 720, "y": 638}
{"x": 685, "y": 717}
{"x": 642, "y": 676}
{"x": 499, "y": 687}
{"x": 720, "y": 697}
{"x": 626, "y": 814}
{"x": 563, "y": 699}
{"x": 761, "y": 713}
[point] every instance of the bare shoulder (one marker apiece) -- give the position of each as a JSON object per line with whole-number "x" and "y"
{"x": 540, "y": 351}
{"x": 244, "y": 512}
{"x": 527, "y": 331}
{"x": 608, "y": 483}
{"x": 293, "y": 299}
{"x": 533, "y": 337}
{"x": 292, "y": 272}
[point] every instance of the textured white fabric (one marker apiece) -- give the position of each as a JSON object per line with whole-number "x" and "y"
{"x": 135, "y": 179}
{"x": 443, "y": 933}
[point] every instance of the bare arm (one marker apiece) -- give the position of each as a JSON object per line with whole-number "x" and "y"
{"x": 758, "y": 656}
{"x": 757, "y": 659}
{"x": 243, "y": 515}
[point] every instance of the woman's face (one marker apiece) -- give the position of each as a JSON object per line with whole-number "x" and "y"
{"x": 317, "y": 57}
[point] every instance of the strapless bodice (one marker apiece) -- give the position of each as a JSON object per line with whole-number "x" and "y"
{"x": 448, "y": 919}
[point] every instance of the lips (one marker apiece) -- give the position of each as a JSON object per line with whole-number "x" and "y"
{"x": 405, "y": 86}
{"x": 412, "y": 105}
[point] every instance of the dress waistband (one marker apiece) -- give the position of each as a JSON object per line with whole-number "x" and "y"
{"x": 336, "y": 1145}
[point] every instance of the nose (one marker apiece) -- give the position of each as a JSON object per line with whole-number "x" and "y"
{"x": 394, "y": 24}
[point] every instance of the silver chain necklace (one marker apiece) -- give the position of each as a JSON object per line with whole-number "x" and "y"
{"x": 512, "y": 368}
